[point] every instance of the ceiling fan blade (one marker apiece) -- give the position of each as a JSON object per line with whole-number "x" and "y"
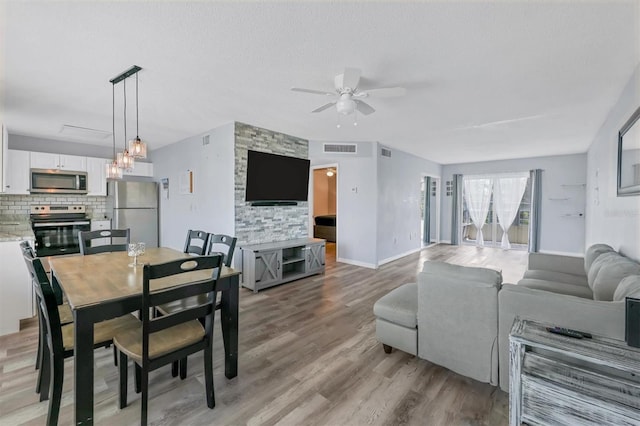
{"x": 387, "y": 92}
{"x": 363, "y": 107}
{"x": 348, "y": 79}
{"x": 323, "y": 107}
{"x": 316, "y": 92}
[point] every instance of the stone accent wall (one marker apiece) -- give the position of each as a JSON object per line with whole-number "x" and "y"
{"x": 274, "y": 223}
{"x": 19, "y": 205}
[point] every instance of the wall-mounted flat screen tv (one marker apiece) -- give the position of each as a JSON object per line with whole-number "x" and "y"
{"x": 276, "y": 179}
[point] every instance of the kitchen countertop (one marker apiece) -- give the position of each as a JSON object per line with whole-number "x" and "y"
{"x": 15, "y": 228}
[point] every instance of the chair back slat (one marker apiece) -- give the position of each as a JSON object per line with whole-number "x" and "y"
{"x": 184, "y": 315}
{"x": 220, "y": 243}
{"x": 87, "y": 238}
{"x": 151, "y": 299}
{"x": 196, "y": 242}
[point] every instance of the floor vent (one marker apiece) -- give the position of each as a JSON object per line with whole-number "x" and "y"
{"x": 340, "y": 148}
{"x": 386, "y": 152}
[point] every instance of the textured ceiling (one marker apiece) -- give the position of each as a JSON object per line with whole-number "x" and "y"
{"x": 562, "y": 64}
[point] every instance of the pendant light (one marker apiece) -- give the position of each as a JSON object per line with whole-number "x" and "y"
{"x": 137, "y": 148}
{"x": 125, "y": 161}
{"x": 113, "y": 171}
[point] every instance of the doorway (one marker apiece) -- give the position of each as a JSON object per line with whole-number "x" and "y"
{"x": 324, "y": 207}
{"x": 429, "y": 210}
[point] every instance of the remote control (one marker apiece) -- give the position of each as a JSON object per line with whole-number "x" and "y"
{"x": 568, "y": 332}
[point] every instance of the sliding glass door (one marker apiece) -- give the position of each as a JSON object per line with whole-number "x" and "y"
{"x": 492, "y": 203}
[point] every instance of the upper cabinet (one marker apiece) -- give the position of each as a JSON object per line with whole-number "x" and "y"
{"x": 4, "y": 145}
{"x": 96, "y": 176}
{"x": 17, "y": 173}
{"x": 140, "y": 169}
{"x": 44, "y": 160}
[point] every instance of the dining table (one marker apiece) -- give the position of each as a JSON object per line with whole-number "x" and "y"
{"x": 102, "y": 286}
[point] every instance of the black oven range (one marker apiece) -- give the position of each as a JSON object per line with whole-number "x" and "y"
{"x": 56, "y": 228}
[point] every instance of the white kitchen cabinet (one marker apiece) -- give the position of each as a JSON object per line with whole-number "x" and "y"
{"x": 16, "y": 295}
{"x": 140, "y": 169}
{"x": 17, "y": 172}
{"x": 45, "y": 160}
{"x": 4, "y": 144}
{"x": 96, "y": 176}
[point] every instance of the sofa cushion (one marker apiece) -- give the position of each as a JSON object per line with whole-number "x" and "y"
{"x": 463, "y": 273}
{"x": 611, "y": 274}
{"x": 557, "y": 287}
{"x": 592, "y": 254}
{"x": 600, "y": 261}
{"x": 561, "y": 277}
{"x": 628, "y": 287}
{"x": 399, "y": 306}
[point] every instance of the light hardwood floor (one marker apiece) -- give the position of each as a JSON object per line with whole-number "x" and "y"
{"x": 308, "y": 356}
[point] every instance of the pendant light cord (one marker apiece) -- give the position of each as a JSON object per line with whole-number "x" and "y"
{"x": 124, "y": 85}
{"x": 137, "y": 121}
{"x": 113, "y": 118}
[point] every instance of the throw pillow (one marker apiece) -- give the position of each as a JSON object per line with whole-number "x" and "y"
{"x": 628, "y": 287}
{"x": 610, "y": 276}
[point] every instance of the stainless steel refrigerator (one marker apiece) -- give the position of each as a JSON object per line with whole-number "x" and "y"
{"x": 134, "y": 205}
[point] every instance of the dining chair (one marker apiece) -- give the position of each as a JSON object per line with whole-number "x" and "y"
{"x": 59, "y": 339}
{"x": 161, "y": 340}
{"x": 88, "y": 238}
{"x": 218, "y": 243}
{"x": 64, "y": 311}
{"x": 196, "y": 242}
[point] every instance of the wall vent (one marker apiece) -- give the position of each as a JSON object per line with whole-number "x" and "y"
{"x": 205, "y": 140}
{"x": 340, "y": 148}
{"x": 386, "y": 152}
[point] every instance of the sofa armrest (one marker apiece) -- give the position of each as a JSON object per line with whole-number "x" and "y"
{"x": 458, "y": 319}
{"x": 557, "y": 263}
{"x": 596, "y": 317}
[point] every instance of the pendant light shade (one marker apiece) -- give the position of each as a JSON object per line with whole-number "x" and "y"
{"x": 112, "y": 169}
{"x": 137, "y": 148}
{"x": 125, "y": 160}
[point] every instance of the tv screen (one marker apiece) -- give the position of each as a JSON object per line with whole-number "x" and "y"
{"x": 272, "y": 177}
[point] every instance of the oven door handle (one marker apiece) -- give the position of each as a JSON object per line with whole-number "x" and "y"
{"x": 45, "y": 224}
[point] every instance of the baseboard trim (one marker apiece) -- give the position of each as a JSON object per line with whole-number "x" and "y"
{"x": 445, "y": 241}
{"x": 401, "y": 255}
{"x": 561, "y": 253}
{"x": 356, "y": 263}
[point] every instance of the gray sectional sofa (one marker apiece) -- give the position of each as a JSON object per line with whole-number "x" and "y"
{"x": 460, "y": 317}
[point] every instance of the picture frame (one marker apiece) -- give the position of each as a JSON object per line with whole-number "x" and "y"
{"x": 629, "y": 156}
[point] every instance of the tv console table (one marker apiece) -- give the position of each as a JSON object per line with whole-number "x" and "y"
{"x": 562, "y": 380}
{"x": 268, "y": 264}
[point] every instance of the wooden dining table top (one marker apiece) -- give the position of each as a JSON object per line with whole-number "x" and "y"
{"x": 98, "y": 278}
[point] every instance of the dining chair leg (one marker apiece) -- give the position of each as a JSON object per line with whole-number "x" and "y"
{"x": 183, "y": 368}
{"x": 208, "y": 376}
{"x": 44, "y": 374}
{"x": 138, "y": 377}
{"x": 40, "y": 343}
{"x": 55, "y": 394}
{"x": 145, "y": 396}
{"x": 174, "y": 368}
{"x": 122, "y": 368}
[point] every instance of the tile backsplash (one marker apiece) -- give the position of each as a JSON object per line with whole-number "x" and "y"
{"x": 19, "y": 205}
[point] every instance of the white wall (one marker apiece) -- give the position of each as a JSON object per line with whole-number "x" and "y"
{"x": 211, "y": 206}
{"x": 399, "y": 182}
{"x": 610, "y": 219}
{"x": 558, "y": 234}
{"x": 356, "y": 204}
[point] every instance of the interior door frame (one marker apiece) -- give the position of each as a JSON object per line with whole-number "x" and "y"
{"x": 438, "y": 196}
{"x": 335, "y": 166}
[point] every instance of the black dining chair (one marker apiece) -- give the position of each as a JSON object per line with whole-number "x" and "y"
{"x": 59, "y": 339}
{"x": 220, "y": 243}
{"x": 162, "y": 340}
{"x": 196, "y": 242}
{"x": 88, "y": 240}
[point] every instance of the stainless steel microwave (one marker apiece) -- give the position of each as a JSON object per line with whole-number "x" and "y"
{"x": 52, "y": 181}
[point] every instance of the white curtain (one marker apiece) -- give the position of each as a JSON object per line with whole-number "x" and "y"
{"x": 507, "y": 195}
{"x": 477, "y": 194}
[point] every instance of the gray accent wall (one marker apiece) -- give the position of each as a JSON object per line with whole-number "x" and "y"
{"x": 611, "y": 219}
{"x": 210, "y": 207}
{"x": 559, "y": 233}
{"x": 274, "y": 223}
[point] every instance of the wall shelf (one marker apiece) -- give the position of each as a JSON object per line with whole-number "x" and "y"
{"x": 559, "y": 198}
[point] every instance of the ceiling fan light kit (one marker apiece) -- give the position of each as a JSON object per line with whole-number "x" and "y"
{"x": 349, "y": 95}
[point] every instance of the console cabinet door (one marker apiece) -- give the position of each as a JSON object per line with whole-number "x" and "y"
{"x": 315, "y": 257}
{"x": 268, "y": 267}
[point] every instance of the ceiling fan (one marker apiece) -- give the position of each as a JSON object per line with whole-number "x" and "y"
{"x": 348, "y": 98}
